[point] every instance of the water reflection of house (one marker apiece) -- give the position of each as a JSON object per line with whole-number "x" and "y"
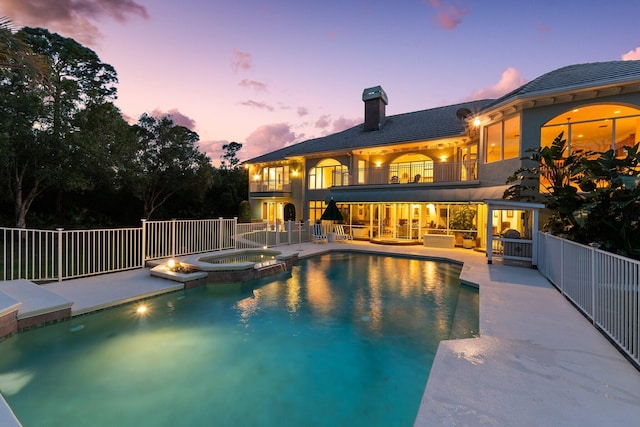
{"x": 400, "y": 177}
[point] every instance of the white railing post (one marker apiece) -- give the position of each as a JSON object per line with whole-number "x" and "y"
{"x": 289, "y": 232}
{"x": 235, "y": 232}
{"x": 593, "y": 285}
{"x": 220, "y": 234}
{"x": 59, "y": 253}
{"x": 143, "y": 242}
{"x": 562, "y": 266}
{"x": 173, "y": 238}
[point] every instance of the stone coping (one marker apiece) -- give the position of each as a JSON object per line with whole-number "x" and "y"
{"x": 35, "y": 299}
{"x": 196, "y": 261}
{"x": 162, "y": 272}
{"x": 8, "y": 304}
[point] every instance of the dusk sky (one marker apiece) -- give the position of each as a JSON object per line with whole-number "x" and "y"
{"x": 271, "y": 73}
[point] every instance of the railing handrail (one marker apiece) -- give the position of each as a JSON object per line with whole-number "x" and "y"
{"x": 55, "y": 255}
{"x": 608, "y": 293}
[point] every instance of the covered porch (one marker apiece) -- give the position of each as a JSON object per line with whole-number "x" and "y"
{"x": 420, "y": 216}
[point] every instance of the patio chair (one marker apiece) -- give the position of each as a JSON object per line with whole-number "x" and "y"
{"x": 341, "y": 235}
{"x": 318, "y": 233}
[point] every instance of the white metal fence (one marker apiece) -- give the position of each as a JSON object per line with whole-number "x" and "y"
{"x": 48, "y": 255}
{"x": 45, "y": 255}
{"x": 604, "y": 286}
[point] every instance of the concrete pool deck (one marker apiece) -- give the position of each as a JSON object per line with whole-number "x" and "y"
{"x": 537, "y": 361}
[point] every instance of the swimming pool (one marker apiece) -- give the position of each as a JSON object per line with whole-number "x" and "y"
{"x": 346, "y": 339}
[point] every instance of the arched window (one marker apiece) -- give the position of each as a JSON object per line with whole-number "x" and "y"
{"x": 328, "y": 173}
{"x": 598, "y": 127}
{"x": 411, "y": 168}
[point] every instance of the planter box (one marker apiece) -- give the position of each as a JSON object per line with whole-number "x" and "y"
{"x": 438, "y": 241}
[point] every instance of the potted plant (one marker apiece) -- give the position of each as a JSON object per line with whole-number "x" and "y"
{"x": 462, "y": 223}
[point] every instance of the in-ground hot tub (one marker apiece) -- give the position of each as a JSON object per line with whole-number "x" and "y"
{"x": 257, "y": 258}
{"x": 236, "y": 265}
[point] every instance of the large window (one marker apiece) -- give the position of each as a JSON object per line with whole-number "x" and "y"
{"x": 362, "y": 177}
{"x": 328, "y": 173}
{"x": 502, "y": 140}
{"x": 316, "y": 208}
{"x": 598, "y": 128}
{"x": 275, "y": 178}
{"x": 411, "y": 168}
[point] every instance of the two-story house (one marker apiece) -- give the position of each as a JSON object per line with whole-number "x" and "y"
{"x": 396, "y": 178}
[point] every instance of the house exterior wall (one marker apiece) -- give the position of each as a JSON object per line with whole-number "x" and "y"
{"x": 376, "y": 176}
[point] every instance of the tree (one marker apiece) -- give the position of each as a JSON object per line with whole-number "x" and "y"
{"x": 230, "y": 184}
{"x": 230, "y": 155}
{"x": 610, "y": 214}
{"x": 550, "y": 177}
{"x": 23, "y": 149}
{"x": 594, "y": 196}
{"x": 166, "y": 162}
{"x": 41, "y": 116}
{"x": 17, "y": 56}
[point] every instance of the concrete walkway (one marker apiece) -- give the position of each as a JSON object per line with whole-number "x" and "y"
{"x": 537, "y": 362}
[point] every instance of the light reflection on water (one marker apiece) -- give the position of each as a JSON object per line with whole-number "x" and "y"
{"x": 346, "y": 339}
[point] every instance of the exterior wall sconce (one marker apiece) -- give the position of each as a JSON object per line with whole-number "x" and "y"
{"x": 476, "y": 122}
{"x": 294, "y": 172}
{"x": 443, "y": 158}
{"x": 378, "y": 163}
{"x": 256, "y": 177}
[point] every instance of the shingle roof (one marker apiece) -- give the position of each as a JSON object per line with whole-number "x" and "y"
{"x": 575, "y": 77}
{"x": 442, "y": 122}
{"x": 429, "y": 124}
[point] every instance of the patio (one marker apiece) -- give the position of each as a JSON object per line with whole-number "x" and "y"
{"x": 537, "y": 361}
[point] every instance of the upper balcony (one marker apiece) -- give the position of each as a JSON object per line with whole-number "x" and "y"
{"x": 261, "y": 186}
{"x": 427, "y": 172}
{"x": 416, "y": 172}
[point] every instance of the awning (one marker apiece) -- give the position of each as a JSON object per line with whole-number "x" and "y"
{"x": 409, "y": 193}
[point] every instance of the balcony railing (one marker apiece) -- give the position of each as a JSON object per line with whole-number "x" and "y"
{"x": 268, "y": 186}
{"x": 398, "y": 173}
{"x": 416, "y": 172}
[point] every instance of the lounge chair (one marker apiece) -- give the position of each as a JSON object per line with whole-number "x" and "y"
{"x": 318, "y": 233}
{"x": 341, "y": 235}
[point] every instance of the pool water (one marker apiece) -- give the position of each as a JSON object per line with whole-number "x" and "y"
{"x": 344, "y": 339}
{"x": 240, "y": 257}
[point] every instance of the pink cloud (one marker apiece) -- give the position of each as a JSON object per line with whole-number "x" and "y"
{"x": 213, "y": 149}
{"x": 256, "y": 104}
{"x": 447, "y": 15}
{"x": 177, "y": 117}
{"x": 71, "y": 18}
{"x": 543, "y": 28}
{"x": 334, "y": 32}
{"x": 342, "y": 123}
{"x": 252, "y": 84}
{"x": 329, "y": 125}
{"x": 269, "y": 138}
{"x": 302, "y": 111}
{"x": 631, "y": 55}
{"x": 509, "y": 80}
{"x": 323, "y": 122}
{"x": 240, "y": 61}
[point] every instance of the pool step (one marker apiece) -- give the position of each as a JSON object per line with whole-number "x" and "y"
{"x": 37, "y": 306}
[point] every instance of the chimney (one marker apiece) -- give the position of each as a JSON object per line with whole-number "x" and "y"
{"x": 375, "y": 100}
